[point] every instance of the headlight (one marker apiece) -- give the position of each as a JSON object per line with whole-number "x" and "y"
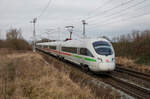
{"x": 100, "y": 59}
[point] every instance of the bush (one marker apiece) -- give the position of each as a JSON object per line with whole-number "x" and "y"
{"x": 1, "y": 44}
{"x": 15, "y": 41}
{"x": 143, "y": 60}
{"x": 18, "y": 44}
{"x": 135, "y": 46}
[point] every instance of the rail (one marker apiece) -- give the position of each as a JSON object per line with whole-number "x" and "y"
{"x": 144, "y": 76}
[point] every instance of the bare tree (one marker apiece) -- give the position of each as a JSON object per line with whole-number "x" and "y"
{"x": 14, "y": 34}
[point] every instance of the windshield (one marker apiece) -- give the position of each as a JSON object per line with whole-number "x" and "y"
{"x": 100, "y": 43}
{"x": 102, "y": 48}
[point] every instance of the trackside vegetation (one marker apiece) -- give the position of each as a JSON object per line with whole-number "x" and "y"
{"x": 15, "y": 41}
{"x": 134, "y": 46}
{"x": 28, "y": 75}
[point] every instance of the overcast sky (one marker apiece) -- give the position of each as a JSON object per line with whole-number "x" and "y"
{"x": 104, "y": 17}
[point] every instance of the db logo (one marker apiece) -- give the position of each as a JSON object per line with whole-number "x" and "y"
{"x": 107, "y": 60}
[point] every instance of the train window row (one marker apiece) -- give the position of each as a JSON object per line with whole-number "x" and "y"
{"x": 69, "y": 49}
{"x": 83, "y": 51}
{"x": 52, "y": 47}
{"x": 45, "y": 46}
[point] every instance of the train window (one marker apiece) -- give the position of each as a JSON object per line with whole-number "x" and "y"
{"x": 69, "y": 49}
{"x": 104, "y": 51}
{"x": 52, "y": 47}
{"x": 86, "y": 52}
{"x": 100, "y": 43}
{"x": 102, "y": 48}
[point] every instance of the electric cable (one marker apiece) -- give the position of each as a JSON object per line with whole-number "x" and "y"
{"x": 112, "y": 16}
{"x": 108, "y": 10}
{"x": 126, "y": 19}
{"x": 46, "y": 7}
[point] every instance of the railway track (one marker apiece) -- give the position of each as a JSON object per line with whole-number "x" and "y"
{"x": 130, "y": 88}
{"x": 139, "y": 78}
{"x": 134, "y": 73}
{"x": 123, "y": 77}
{"x": 124, "y": 85}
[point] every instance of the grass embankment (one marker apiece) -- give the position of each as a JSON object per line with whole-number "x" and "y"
{"x": 99, "y": 89}
{"x": 28, "y": 76}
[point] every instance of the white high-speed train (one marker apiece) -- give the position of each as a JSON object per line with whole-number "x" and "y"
{"x": 95, "y": 54}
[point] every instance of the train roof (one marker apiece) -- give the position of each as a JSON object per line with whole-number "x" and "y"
{"x": 74, "y": 43}
{"x": 50, "y": 43}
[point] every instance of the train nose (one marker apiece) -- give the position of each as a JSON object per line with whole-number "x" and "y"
{"x": 107, "y": 66}
{"x": 111, "y": 67}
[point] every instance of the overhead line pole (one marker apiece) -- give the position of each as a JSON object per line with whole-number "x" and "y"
{"x": 34, "y": 33}
{"x": 84, "y": 23}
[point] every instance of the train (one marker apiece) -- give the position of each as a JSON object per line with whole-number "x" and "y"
{"x": 97, "y": 55}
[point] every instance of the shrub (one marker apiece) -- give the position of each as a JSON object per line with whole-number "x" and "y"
{"x": 15, "y": 41}
{"x": 18, "y": 44}
{"x": 135, "y": 46}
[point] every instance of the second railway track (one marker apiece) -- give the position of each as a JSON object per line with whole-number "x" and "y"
{"x": 144, "y": 76}
{"x": 130, "y": 88}
{"x": 141, "y": 79}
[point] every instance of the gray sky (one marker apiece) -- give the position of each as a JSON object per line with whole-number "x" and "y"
{"x": 104, "y": 17}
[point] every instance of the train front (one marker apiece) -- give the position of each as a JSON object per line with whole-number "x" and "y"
{"x": 105, "y": 55}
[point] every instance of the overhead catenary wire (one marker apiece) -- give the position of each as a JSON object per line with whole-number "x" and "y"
{"x": 108, "y": 10}
{"x": 118, "y": 13}
{"x": 98, "y": 7}
{"x": 46, "y": 7}
{"x": 93, "y": 10}
{"x": 125, "y": 19}
{"x": 79, "y": 19}
{"x": 104, "y": 12}
{"x": 123, "y": 10}
{"x": 35, "y": 20}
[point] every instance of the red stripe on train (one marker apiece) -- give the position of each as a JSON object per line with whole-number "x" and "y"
{"x": 64, "y": 53}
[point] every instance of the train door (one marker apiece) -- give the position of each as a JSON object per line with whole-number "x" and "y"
{"x": 82, "y": 56}
{"x": 76, "y": 57}
{"x": 87, "y": 57}
{"x": 74, "y": 54}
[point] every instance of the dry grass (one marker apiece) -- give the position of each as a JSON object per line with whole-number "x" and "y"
{"x": 101, "y": 91}
{"x": 28, "y": 76}
{"x": 131, "y": 64}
